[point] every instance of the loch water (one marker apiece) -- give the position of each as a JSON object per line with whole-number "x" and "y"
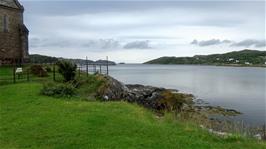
{"x": 239, "y": 88}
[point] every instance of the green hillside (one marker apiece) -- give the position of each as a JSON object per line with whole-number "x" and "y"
{"x": 244, "y": 57}
{"x": 41, "y": 59}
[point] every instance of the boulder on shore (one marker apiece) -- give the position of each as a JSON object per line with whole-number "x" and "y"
{"x": 148, "y": 96}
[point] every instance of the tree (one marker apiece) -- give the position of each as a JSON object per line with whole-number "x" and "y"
{"x": 67, "y": 69}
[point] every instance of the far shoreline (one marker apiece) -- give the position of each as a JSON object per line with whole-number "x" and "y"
{"x": 218, "y": 65}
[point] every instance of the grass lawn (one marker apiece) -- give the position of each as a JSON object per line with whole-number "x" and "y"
{"x": 30, "y": 120}
{"x": 6, "y": 75}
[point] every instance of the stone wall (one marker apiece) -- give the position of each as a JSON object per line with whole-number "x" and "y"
{"x": 11, "y": 41}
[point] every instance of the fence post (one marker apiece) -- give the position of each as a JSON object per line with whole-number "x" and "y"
{"x": 107, "y": 67}
{"x": 79, "y": 71}
{"x": 87, "y": 67}
{"x": 28, "y": 77}
{"x": 264, "y": 131}
{"x": 94, "y": 67}
{"x": 14, "y": 71}
{"x": 54, "y": 71}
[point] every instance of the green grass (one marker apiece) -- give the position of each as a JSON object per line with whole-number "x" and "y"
{"x": 30, "y": 120}
{"x": 6, "y": 75}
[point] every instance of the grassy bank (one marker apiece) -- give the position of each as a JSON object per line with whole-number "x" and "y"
{"x": 30, "y": 120}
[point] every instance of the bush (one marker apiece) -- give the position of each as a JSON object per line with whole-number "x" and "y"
{"x": 175, "y": 101}
{"x": 38, "y": 70}
{"x": 67, "y": 69}
{"x": 58, "y": 90}
{"x": 48, "y": 69}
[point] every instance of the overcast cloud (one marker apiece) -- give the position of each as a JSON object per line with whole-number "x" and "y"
{"x": 250, "y": 43}
{"x": 137, "y": 31}
{"x": 210, "y": 42}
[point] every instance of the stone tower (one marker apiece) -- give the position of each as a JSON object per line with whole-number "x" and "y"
{"x": 13, "y": 33}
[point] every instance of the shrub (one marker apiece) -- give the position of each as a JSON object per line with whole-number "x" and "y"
{"x": 67, "y": 69}
{"x": 175, "y": 101}
{"x": 38, "y": 70}
{"x": 58, "y": 90}
{"x": 48, "y": 69}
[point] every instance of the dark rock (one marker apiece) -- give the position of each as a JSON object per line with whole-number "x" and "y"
{"x": 147, "y": 96}
{"x": 158, "y": 99}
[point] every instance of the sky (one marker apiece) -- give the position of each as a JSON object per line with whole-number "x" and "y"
{"x": 138, "y": 31}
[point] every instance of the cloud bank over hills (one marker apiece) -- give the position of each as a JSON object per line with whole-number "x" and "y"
{"x": 137, "y": 31}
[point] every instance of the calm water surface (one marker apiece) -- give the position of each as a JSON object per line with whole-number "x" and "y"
{"x": 239, "y": 88}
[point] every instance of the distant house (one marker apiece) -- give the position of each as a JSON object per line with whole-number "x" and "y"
{"x": 13, "y": 33}
{"x": 237, "y": 61}
{"x": 247, "y": 63}
{"x": 230, "y": 59}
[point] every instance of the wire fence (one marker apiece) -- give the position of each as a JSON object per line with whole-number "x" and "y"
{"x": 38, "y": 72}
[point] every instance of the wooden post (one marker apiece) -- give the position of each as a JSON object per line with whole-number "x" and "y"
{"x": 94, "y": 68}
{"x": 107, "y": 67}
{"x": 100, "y": 69}
{"x": 79, "y": 71}
{"x": 54, "y": 71}
{"x": 28, "y": 75}
{"x": 87, "y": 67}
{"x": 264, "y": 131}
{"x": 14, "y": 71}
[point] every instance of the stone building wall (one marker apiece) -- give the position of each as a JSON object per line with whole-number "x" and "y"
{"x": 12, "y": 41}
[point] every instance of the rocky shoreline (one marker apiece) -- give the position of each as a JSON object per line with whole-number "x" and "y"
{"x": 156, "y": 98}
{"x": 163, "y": 100}
{"x": 147, "y": 96}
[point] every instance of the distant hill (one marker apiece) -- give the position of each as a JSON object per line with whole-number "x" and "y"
{"x": 244, "y": 57}
{"x": 40, "y": 59}
{"x": 105, "y": 62}
{"x": 36, "y": 58}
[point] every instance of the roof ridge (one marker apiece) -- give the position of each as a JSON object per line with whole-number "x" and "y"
{"x": 11, "y": 4}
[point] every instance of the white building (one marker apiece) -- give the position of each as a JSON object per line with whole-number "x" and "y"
{"x": 230, "y": 59}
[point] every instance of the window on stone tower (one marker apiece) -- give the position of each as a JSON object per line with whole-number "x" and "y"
{"x": 5, "y": 23}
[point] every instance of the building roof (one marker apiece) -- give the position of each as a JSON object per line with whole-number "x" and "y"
{"x": 11, "y": 3}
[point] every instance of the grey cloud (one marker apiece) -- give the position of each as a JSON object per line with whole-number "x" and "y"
{"x": 249, "y": 43}
{"x": 102, "y": 44}
{"x": 244, "y": 43}
{"x": 195, "y": 42}
{"x": 138, "y": 45}
{"x": 211, "y": 42}
{"x": 140, "y": 37}
{"x": 92, "y": 6}
{"x": 45, "y": 42}
{"x": 226, "y": 41}
{"x": 89, "y": 44}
